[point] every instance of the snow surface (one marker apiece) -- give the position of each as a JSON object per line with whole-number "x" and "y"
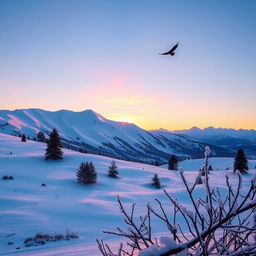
{"x": 27, "y": 208}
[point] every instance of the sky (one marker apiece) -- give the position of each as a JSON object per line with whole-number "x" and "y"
{"x": 104, "y": 55}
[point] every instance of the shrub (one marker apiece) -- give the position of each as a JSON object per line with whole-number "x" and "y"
{"x": 23, "y": 138}
{"x": 41, "y": 238}
{"x": 41, "y": 137}
{"x": 6, "y": 177}
{"x": 155, "y": 181}
{"x": 173, "y": 163}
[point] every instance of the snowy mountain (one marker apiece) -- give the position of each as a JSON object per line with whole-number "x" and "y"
{"x": 96, "y": 134}
{"x": 210, "y": 131}
{"x": 227, "y": 138}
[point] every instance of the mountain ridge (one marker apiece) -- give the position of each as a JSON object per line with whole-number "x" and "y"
{"x": 223, "y": 137}
{"x": 195, "y": 128}
{"x": 96, "y": 134}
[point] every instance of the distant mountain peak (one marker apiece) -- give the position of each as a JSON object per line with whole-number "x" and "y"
{"x": 92, "y": 115}
{"x": 160, "y": 130}
{"x": 195, "y": 128}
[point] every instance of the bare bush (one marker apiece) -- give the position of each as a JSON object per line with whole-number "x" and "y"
{"x": 42, "y": 238}
{"x": 216, "y": 224}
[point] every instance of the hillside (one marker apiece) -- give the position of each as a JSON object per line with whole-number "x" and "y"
{"x": 96, "y": 134}
{"x": 27, "y": 208}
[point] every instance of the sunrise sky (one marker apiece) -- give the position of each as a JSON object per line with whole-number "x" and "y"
{"x": 104, "y": 55}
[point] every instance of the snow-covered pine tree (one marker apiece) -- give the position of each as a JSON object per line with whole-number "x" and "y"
{"x": 81, "y": 173}
{"x": 23, "y": 138}
{"x": 173, "y": 163}
{"x": 112, "y": 170}
{"x": 86, "y": 173}
{"x": 156, "y": 181}
{"x": 53, "y": 150}
{"x": 241, "y": 163}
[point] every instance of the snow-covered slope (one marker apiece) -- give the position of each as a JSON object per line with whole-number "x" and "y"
{"x": 26, "y": 207}
{"x": 97, "y": 134}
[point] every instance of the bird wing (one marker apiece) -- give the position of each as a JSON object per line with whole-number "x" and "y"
{"x": 165, "y": 53}
{"x": 174, "y": 48}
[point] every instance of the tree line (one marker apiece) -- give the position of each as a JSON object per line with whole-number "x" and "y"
{"x": 87, "y": 174}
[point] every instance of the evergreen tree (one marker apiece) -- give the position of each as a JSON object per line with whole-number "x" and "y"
{"x": 241, "y": 163}
{"x": 40, "y": 137}
{"x": 23, "y": 138}
{"x": 155, "y": 181}
{"x": 82, "y": 150}
{"x": 112, "y": 170}
{"x": 173, "y": 163}
{"x": 86, "y": 173}
{"x": 53, "y": 150}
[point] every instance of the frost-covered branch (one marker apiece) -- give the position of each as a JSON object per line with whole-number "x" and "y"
{"x": 215, "y": 224}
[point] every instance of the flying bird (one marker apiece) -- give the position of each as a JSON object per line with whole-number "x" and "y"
{"x": 171, "y": 52}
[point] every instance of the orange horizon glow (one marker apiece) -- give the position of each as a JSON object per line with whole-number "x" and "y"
{"x": 124, "y": 119}
{"x": 149, "y": 110}
{"x": 156, "y": 121}
{"x": 121, "y": 98}
{"x": 147, "y": 124}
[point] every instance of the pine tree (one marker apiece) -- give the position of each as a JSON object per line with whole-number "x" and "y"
{"x": 112, "y": 170}
{"x": 86, "y": 173}
{"x": 23, "y": 138}
{"x": 40, "y": 136}
{"x": 241, "y": 163}
{"x": 155, "y": 181}
{"x": 53, "y": 150}
{"x": 82, "y": 150}
{"x": 173, "y": 163}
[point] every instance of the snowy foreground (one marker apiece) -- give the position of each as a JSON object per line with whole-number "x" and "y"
{"x": 27, "y": 207}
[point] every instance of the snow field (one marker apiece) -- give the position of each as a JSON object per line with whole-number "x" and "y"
{"x": 27, "y": 208}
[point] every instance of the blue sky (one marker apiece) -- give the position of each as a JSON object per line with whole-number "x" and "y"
{"x": 104, "y": 55}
